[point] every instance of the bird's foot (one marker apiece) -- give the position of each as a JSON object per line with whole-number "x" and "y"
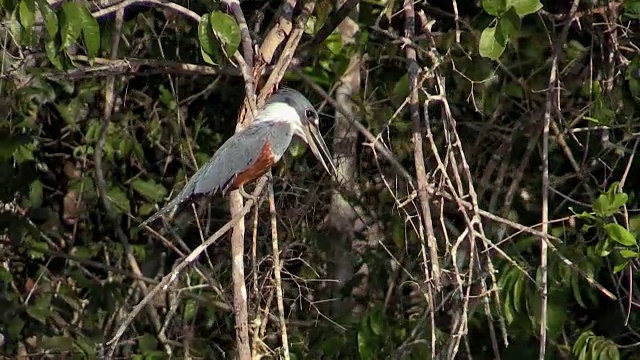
{"x": 247, "y": 196}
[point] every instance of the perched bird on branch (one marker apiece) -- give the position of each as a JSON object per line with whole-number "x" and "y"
{"x": 250, "y": 153}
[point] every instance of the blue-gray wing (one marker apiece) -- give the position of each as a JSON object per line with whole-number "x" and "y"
{"x": 232, "y": 158}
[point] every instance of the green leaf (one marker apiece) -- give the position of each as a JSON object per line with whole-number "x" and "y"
{"x": 489, "y": 46}
{"x": 90, "y": 33}
{"x": 11, "y": 143}
{"x": 494, "y": 7}
{"x": 226, "y": 29}
{"x": 26, "y": 12}
{"x": 119, "y": 199}
{"x": 628, "y": 254}
{"x": 50, "y": 18}
{"x": 60, "y": 343}
{"x": 208, "y": 43}
{"x": 600, "y": 205}
{"x": 525, "y": 7}
{"x": 70, "y": 22}
{"x": 620, "y": 235}
{"x": 508, "y": 26}
{"x": 621, "y": 266}
{"x": 35, "y": 194}
{"x": 632, "y": 9}
{"x": 149, "y": 189}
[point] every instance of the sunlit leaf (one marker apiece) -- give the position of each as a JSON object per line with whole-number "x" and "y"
{"x": 628, "y": 254}
{"x": 494, "y": 7}
{"x": 600, "y": 205}
{"x": 508, "y": 26}
{"x": 490, "y": 47}
{"x": 208, "y": 42}
{"x": 50, "y": 18}
{"x": 620, "y": 235}
{"x": 27, "y": 9}
{"x": 226, "y": 29}
{"x": 90, "y": 32}
{"x": 70, "y": 22}
{"x": 525, "y": 7}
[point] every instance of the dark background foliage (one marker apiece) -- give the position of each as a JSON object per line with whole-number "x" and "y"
{"x": 356, "y": 280}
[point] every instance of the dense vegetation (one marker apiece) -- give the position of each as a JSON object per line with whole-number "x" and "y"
{"x": 486, "y": 202}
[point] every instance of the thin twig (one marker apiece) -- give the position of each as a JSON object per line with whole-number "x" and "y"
{"x": 418, "y": 154}
{"x": 276, "y": 271}
{"x": 171, "y": 277}
{"x": 544, "y": 248}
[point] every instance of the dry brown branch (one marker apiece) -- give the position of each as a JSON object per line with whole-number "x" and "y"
{"x": 549, "y": 108}
{"x": 276, "y": 271}
{"x": 169, "y": 278}
{"x": 418, "y": 154}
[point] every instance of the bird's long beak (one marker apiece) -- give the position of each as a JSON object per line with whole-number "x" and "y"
{"x": 319, "y": 148}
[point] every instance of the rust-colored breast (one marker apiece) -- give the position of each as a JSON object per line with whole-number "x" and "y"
{"x": 260, "y": 167}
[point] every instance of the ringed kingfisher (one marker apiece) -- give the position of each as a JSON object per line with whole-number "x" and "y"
{"x": 251, "y": 152}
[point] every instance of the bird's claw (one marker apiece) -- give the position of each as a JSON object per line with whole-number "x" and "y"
{"x": 247, "y": 196}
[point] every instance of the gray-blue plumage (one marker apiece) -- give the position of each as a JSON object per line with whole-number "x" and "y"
{"x": 285, "y": 114}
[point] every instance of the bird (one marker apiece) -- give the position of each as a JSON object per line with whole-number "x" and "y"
{"x": 251, "y": 152}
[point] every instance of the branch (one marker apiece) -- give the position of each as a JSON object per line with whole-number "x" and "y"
{"x": 551, "y": 96}
{"x": 276, "y": 270}
{"x": 101, "y": 183}
{"x": 193, "y": 256}
{"x": 418, "y": 155}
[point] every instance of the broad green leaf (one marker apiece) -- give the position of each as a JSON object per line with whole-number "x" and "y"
{"x": 621, "y": 266}
{"x": 50, "y": 18}
{"x": 90, "y": 32}
{"x": 620, "y": 235}
{"x": 525, "y": 7}
{"x": 70, "y": 22}
{"x": 226, "y": 29}
{"x": 628, "y": 254}
{"x": 600, "y": 205}
{"x": 119, "y": 199}
{"x": 26, "y": 11}
{"x": 508, "y": 26}
{"x": 494, "y": 7}
{"x": 149, "y": 189}
{"x": 208, "y": 43}
{"x": 489, "y": 46}
{"x": 207, "y": 58}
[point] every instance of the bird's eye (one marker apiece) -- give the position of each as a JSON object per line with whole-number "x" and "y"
{"x": 310, "y": 114}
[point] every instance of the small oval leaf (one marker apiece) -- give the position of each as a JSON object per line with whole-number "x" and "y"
{"x": 620, "y": 235}
{"x": 226, "y": 29}
{"x": 490, "y": 47}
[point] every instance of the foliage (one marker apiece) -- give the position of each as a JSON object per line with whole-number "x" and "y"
{"x": 68, "y": 280}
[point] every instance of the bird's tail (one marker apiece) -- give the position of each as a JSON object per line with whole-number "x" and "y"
{"x": 179, "y": 199}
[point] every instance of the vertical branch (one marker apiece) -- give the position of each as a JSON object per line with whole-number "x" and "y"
{"x": 418, "y": 155}
{"x": 276, "y": 271}
{"x": 342, "y": 215}
{"x": 240, "y": 308}
{"x": 544, "y": 241}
